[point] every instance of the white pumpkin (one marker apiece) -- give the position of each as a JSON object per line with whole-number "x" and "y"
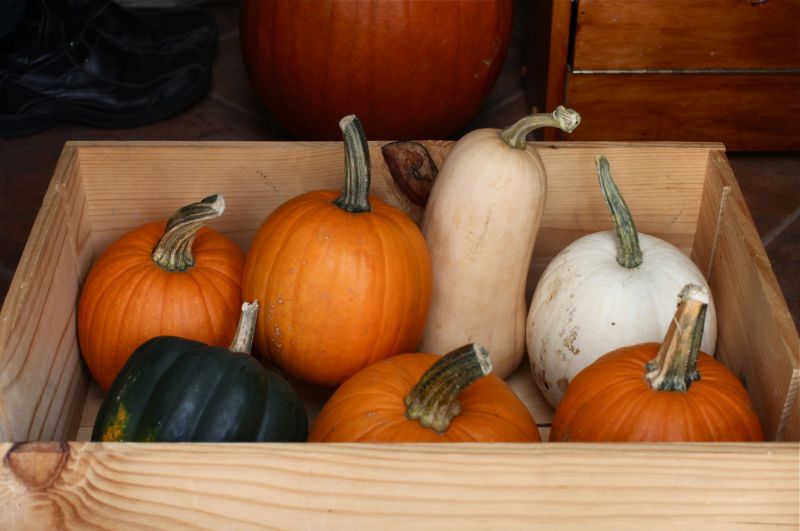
{"x": 587, "y": 303}
{"x": 480, "y": 224}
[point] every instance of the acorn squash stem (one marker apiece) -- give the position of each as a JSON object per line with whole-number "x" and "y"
{"x": 629, "y": 253}
{"x": 562, "y": 118}
{"x": 173, "y": 251}
{"x": 433, "y": 401}
{"x": 246, "y": 329}
{"x": 355, "y": 195}
{"x": 675, "y": 366}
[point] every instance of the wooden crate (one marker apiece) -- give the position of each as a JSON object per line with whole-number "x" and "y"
{"x": 684, "y": 193}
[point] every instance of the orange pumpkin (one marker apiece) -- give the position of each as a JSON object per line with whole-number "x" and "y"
{"x": 659, "y": 392}
{"x": 426, "y": 398}
{"x": 408, "y": 68}
{"x": 164, "y": 278}
{"x": 343, "y": 282}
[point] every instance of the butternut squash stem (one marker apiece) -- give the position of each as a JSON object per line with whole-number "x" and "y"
{"x": 433, "y": 401}
{"x": 355, "y": 196}
{"x": 562, "y": 118}
{"x": 246, "y": 329}
{"x": 629, "y": 253}
{"x": 173, "y": 251}
{"x": 675, "y": 366}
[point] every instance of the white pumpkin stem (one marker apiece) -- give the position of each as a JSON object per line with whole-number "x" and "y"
{"x": 562, "y": 118}
{"x": 675, "y": 366}
{"x": 629, "y": 253}
{"x": 433, "y": 401}
{"x": 173, "y": 251}
{"x": 246, "y": 329}
{"x": 355, "y": 195}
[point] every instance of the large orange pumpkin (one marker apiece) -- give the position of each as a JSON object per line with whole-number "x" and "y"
{"x": 344, "y": 279}
{"x": 410, "y": 69}
{"x": 655, "y": 392}
{"x": 426, "y": 398}
{"x": 175, "y": 278}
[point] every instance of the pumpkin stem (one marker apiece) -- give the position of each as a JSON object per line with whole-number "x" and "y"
{"x": 246, "y": 329}
{"x": 562, "y": 118}
{"x": 355, "y": 196}
{"x": 173, "y": 251}
{"x": 675, "y": 366}
{"x": 629, "y": 253}
{"x": 434, "y": 399}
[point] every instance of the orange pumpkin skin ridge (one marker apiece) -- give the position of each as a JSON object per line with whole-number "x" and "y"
{"x": 369, "y": 407}
{"x": 338, "y": 290}
{"x": 128, "y": 299}
{"x": 610, "y": 401}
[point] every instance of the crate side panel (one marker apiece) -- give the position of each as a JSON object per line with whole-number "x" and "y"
{"x": 42, "y": 378}
{"x": 750, "y": 339}
{"x": 757, "y": 337}
{"x": 41, "y": 374}
{"x": 130, "y": 185}
{"x": 151, "y": 182}
{"x": 466, "y": 486}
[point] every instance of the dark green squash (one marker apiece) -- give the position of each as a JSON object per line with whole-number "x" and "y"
{"x": 173, "y": 389}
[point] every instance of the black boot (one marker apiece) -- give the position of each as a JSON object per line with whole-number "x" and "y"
{"x": 86, "y": 77}
{"x": 164, "y": 30}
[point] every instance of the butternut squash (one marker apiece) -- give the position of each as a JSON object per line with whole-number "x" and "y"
{"x": 480, "y": 223}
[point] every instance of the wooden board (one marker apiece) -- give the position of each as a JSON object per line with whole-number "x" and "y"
{"x": 687, "y": 34}
{"x": 367, "y": 486}
{"x": 754, "y": 111}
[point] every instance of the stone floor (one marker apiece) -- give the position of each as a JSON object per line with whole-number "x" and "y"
{"x": 231, "y": 111}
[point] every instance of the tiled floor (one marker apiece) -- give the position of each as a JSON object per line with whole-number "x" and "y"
{"x": 231, "y": 111}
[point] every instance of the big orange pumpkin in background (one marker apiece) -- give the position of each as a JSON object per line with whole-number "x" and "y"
{"x": 410, "y": 69}
{"x": 174, "y": 278}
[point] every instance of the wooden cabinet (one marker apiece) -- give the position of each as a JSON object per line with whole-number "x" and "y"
{"x": 686, "y": 70}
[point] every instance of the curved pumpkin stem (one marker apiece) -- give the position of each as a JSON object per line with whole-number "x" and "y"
{"x": 355, "y": 196}
{"x": 434, "y": 399}
{"x": 562, "y": 118}
{"x": 246, "y": 329}
{"x": 629, "y": 253}
{"x": 675, "y": 366}
{"x": 173, "y": 251}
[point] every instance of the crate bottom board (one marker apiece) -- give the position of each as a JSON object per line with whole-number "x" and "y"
{"x": 314, "y": 398}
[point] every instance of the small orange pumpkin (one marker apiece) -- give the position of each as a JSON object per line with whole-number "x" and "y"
{"x": 426, "y": 398}
{"x": 659, "y": 393}
{"x": 344, "y": 282}
{"x": 175, "y": 278}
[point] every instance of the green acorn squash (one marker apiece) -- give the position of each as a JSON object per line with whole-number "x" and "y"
{"x": 174, "y": 389}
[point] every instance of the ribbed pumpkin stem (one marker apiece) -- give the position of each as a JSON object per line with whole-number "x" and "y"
{"x": 562, "y": 118}
{"x": 355, "y": 196}
{"x": 675, "y": 366}
{"x": 434, "y": 399}
{"x": 246, "y": 329}
{"x": 629, "y": 253}
{"x": 173, "y": 251}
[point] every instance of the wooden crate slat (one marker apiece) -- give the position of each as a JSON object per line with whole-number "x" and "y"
{"x": 470, "y": 486}
{"x": 41, "y": 378}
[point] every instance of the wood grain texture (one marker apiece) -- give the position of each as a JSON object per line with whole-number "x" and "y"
{"x": 42, "y": 381}
{"x": 754, "y": 112}
{"x": 764, "y": 352}
{"x": 686, "y": 34}
{"x": 469, "y": 486}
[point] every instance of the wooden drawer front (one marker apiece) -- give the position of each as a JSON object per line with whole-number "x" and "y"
{"x": 753, "y": 112}
{"x": 687, "y": 34}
